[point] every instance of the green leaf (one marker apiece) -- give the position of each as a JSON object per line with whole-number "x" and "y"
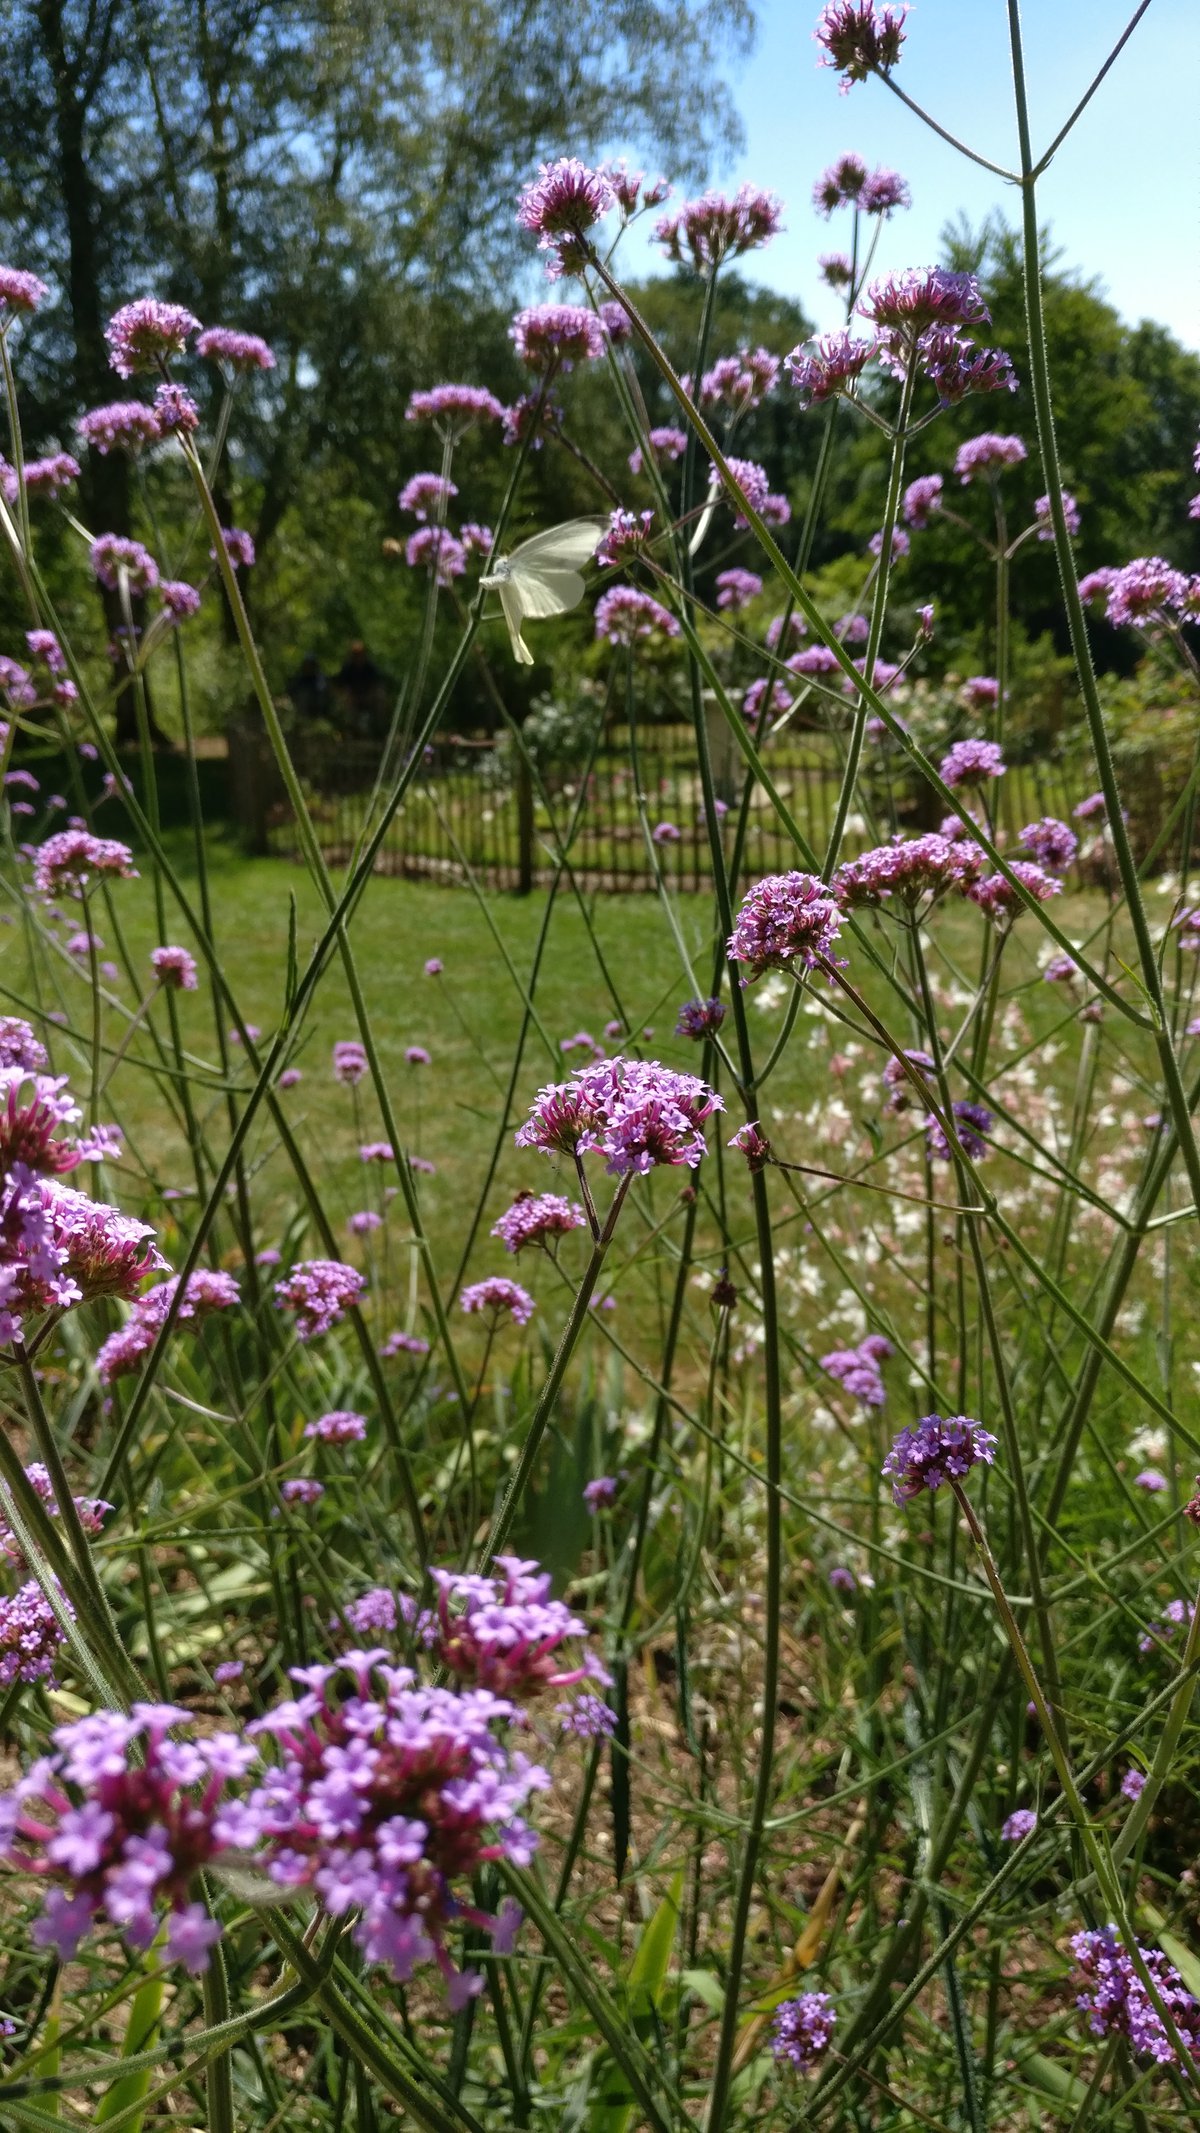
{"x": 140, "y": 2033}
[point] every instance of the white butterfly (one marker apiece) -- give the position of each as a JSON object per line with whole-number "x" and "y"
{"x": 541, "y": 577}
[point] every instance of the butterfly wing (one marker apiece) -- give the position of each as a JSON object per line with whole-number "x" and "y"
{"x": 514, "y": 615}
{"x": 568, "y": 546}
{"x": 544, "y": 592}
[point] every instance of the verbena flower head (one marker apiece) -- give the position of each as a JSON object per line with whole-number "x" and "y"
{"x": 340, "y": 1426}
{"x": 700, "y": 1018}
{"x": 179, "y": 600}
{"x": 1094, "y": 587}
{"x": 631, "y": 189}
{"x": 387, "y": 1801}
{"x": 841, "y": 185}
{"x": 737, "y": 588}
{"x": 623, "y": 615}
{"x": 972, "y": 1124}
{"x": 530, "y": 418}
{"x": 561, "y": 204}
{"x": 981, "y": 692}
{"x": 454, "y": 408}
{"x": 555, "y": 336}
{"x": 972, "y": 762}
{"x": 635, "y": 1112}
{"x": 935, "y": 1451}
{"x": 427, "y": 495}
{"x": 764, "y": 694}
{"x": 1053, "y": 845}
{"x": 900, "y": 543}
{"x": 955, "y": 366}
{"x": 703, "y": 232}
{"x": 884, "y": 191}
{"x": 239, "y": 352}
{"x": 1001, "y": 901}
{"x": 814, "y": 659}
{"x": 752, "y": 1142}
{"x": 836, "y": 269}
{"x": 898, "y": 1083}
{"x": 50, "y": 476}
{"x": 119, "y": 1823}
{"x": 988, "y": 455}
{"x": 1020, "y": 1824}
{"x": 1146, "y": 590}
{"x": 666, "y": 833}
{"x": 831, "y": 364}
{"x": 401, "y": 1343}
{"x": 1133, "y": 1784}
{"x": 174, "y": 968}
{"x": 1117, "y": 2003}
{"x": 802, "y": 2028}
{"x": 416, "y": 1055}
{"x": 121, "y": 426}
{"x": 741, "y": 381}
{"x": 626, "y": 534}
{"x": 19, "y": 1047}
{"x": 175, "y": 411}
{"x": 499, "y": 1297}
{"x": 113, "y": 556}
{"x": 238, "y": 546}
{"x": 432, "y": 548}
{"x": 31, "y": 1638}
{"x": 910, "y": 302}
{"x": 664, "y": 443}
{"x": 70, "y": 861}
{"x": 206, "y": 1290}
{"x": 19, "y": 291}
{"x": 921, "y": 499}
{"x": 504, "y": 1633}
{"x": 537, "y": 1218}
{"x": 1060, "y": 970}
{"x": 142, "y": 335}
{"x": 350, "y": 1062}
{"x": 319, "y": 1292}
{"x": 858, "y": 1369}
{"x": 1045, "y": 524}
{"x": 784, "y": 920}
{"x": 600, "y": 1492}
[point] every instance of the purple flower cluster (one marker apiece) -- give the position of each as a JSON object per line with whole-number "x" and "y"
{"x": 119, "y": 1822}
{"x": 784, "y": 920}
{"x": 1020, "y": 1824}
{"x": 239, "y": 352}
{"x": 700, "y": 1018}
{"x": 703, "y": 232}
{"x": 559, "y": 206}
{"x": 552, "y": 337}
{"x": 921, "y": 499}
{"x": 737, "y": 588}
{"x": 91, "y": 1511}
{"x": 848, "y": 183}
{"x": 634, "y": 1112}
{"x": 971, "y": 1123}
{"x": 1146, "y": 590}
{"x": 387, "y": 1800}
{"x": 859, "y": 37}
{"x": 114, "y": 557}
{"x": 319, "y": 1292}
{"x": 1116, "y": 2001}
{"x": 19, "y": 291}
{"x": 911, "y": 868}
{"x": 142, "y": 335}
{"x": 915, "y": 300}
{"x": 1045, "y": 524}
{"x": 1000, "y": 899}
{"x": 831, "y": 364}
{"x": 988, "y": 455}
{"x": 498, "y": 1296}
{"x": 537, "y": 1218}
{"x": 972, "y": 762}
{"x": 427, "y": 495}
{"x": 664, "y": 443}
{"x": 120, "y": 426}
{"x": 174, "y": 968}
{"x": 208, "y": 1289}
{"x": 898, "y": 1083}
{"x": 340, "y": 1426}
{"x": 858, "y": 1368}
{"x": 68, "y": 863}
{"x": 626, "y": 534}
{"x": 31, "y": 1636}
{"x": 454, "y": 408}
{"x": 803, "y": 2027}
{"x": 504, "y": 1633}
{"x": 59, "y": 1248}
{"x": 623, "y": 615}
{"x": 740, "y": 382}
{"x": 350, "y": 1061}
{"x": 934, "y": 1452}
{"x": 1053, "y": 845}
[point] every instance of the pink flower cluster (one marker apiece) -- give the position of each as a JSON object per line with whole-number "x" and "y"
{"x": 537, "y": 1218}
{"x": 858, "y": 1368}
{"x": 785, "y": 920}
{"x": 635, "y": 1112}
{"x": 207, "y": 1290}
{"x": 319, "y": 1292}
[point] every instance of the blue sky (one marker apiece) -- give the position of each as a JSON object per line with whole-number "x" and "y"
{"x": 1122, "y": 196}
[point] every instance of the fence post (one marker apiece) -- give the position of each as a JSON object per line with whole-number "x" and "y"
{"x": 524, "y": 828}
